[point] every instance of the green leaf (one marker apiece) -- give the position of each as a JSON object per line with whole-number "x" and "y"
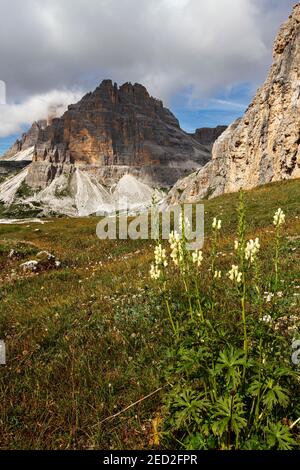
{"x": 228, "y": 416}
{"x": 279, "y": 437}
{"x": 230, "y": 364}
{"x": 274, "y": 395}
{"x": 189, "y": 406}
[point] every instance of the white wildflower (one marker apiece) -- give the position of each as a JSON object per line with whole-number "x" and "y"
{"x": 251, "y": 250}
{"x": 160, "y": 256}
{"x": 174, "y": 238}
{"x": 218, "y": 275}
{"x": 269, "y": 296}
{"x": 155, "y": 272}
{"x": 279, "y": 218}
{"x": 217, "y": 224}
{"x": 236, "y": 245}
{"x": 235, "y": 275}
{"x": 176, "y": 248}
{"x": 197, "y": 258}
{"x": 161, "y": 262}
{"x": 266, "y": 319}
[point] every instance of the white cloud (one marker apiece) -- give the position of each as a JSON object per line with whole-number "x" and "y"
{"x": 2, "y": 92}
{"x": 168, "y": 45}
{"x": 14, "y": 117}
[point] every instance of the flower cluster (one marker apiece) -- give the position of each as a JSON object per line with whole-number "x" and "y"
{"x": 217, "y": 224}
{"x": 155, "y": 272}
{"x": 197, "y": 258}
{"x": 160, "y": 256}
{"x": 218, "y": 274}
{"x": 266, "y": 319}
{"x": 235, "y": 275}
{"x": 251, "y": 250}
{"x": 176, "y": 248}
{"x": 268, "y": 296}
{"x": 279, "y": 218}
{"x": 160, "y": 262}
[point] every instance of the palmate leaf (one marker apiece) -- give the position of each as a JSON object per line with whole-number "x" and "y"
{"x": 191, "y": 360}
{"x": 254, "y": 388}
{"x": 228, "y": 415}
{"x": 279, "y": 437}
{"x": 254, "y": 443}
{"x": 286, "y": 372}
{"x": 230, "y": 363}
{"x": 189, "y": 406}
{"x": 275, "y": 394}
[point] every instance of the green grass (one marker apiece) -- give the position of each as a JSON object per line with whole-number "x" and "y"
{"x": 87, "y": 340}
{"x": 24, "y": 191}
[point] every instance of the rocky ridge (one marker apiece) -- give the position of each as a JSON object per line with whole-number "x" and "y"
{"x": 112, "y": 132}
{"x": 117, "y": 143}
{"x": 264, "y": 145}
{"x": 28, "y": 140}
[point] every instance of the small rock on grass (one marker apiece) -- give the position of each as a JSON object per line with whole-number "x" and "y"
{"x": 30, "y": 266}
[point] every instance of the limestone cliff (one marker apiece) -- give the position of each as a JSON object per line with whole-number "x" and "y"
{"x": 264, "y": 145}
{"x": 112, "y": 132}
{"x": 208, "y": 135}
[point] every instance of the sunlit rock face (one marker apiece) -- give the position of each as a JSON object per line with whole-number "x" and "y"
{"x": 264, "y": 145}
{"x": 117, "y": 143}
{"x": 112, "y": 132}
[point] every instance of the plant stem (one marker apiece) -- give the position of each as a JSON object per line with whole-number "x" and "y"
{"x": 189, "y": 297}
{"x": 244, "y": 322}
{"x": 276, "y": 261}
{"x": 170, "y": 316}
{"x": 199, "y": 302}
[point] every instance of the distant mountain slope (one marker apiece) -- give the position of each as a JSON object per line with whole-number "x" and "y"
{"x": 208, "y": 135}
{"x": 28, "y": 140}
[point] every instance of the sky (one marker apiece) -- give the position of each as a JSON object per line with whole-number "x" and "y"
{"x": 205, "y": 59}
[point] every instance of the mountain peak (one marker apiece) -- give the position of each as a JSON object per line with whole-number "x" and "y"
{"x": 114, "y": 131}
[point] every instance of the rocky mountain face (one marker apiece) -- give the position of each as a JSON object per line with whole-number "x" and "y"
{"x": 116, "y": 148}
{"x": 264, "y": 145}
{"x": 208, "y": 135}
{"x": 112, "y": 132}
{"x": 28, "y": 139}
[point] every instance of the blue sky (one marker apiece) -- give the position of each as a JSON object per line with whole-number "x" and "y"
{"x": 224, "y": 108}
{"x": 6, "y": 142}
{"x": 204, "y": 59}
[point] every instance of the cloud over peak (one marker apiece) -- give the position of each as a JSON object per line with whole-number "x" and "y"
{"x": 168, "y": 45}
{"x": 14, "y": 116}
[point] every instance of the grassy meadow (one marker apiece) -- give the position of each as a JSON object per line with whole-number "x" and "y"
{"x": 88, "y": 339}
